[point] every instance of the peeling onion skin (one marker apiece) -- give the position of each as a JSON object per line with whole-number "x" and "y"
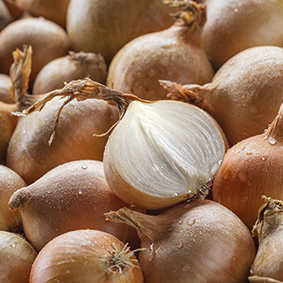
{"x": 250, "y": 169}
{"x": 173, "y": 54}
{"x": 72, "y": 196}
{"x": 29, "y": 153}
{"x": 10, "y": 181}
{"x": 52, "y": 43}
{"x": 81, "y": 256}
{"x": 70, "y": 67}
{"x": 199, "y": 241}
{"x": 245, "y": 93}
{"x": 267, "y": 266}
{"x": 106, "y": 26}
{"x": 233, "y": 26}
{"x": 16, "y": 258}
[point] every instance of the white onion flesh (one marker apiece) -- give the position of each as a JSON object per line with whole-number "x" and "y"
{"x": 166, "y": 148}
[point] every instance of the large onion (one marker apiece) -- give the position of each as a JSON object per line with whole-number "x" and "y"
{"x": 48, "y": 40}
{"x": 69, "y": 197}
{"x": 159, "y": 153}
{"x": 86, "y": 256}
{"x": 16, "y": 258}
{"x": 105, "y": 26}
{"x": 173, "y": 54}
{"x": 199, "y": 242}
{"x": 233, "y": 26}
{"x": 244, "y": 95}
{"x": 250, "y": 169}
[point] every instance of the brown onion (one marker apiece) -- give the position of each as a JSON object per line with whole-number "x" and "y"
{"x": 106, "y": 26}
{"x": 5, "y": 17}
{"x": 70, "y": 67}
{"x": 69, "y": 197}
{"x": 244, "y": 95}
{"x": 10, "y": 181}
{"x": 233, "y": 26}
{"x": 16, "y": 258}
{"x": 268, "y": 265}
{"x": 86, "y": 256}
{"x": 5, "y": 85}
{"x": 173, "y": 54}
{"x": 159, "y": 153}
{"x": 199, "y": 241}
{"x": 53, "y": 10}
{"x": 48, "y": 40}
{"x": 250, "y": 169}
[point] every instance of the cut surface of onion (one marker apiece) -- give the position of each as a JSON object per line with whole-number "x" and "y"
{"x": 159, "y": 153}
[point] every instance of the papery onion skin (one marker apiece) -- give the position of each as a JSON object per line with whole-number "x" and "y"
{"x": 81, "y": 256}
{"x": 233, "y": 26}
{"x": 70, "y": 67}
{"x": 52, "y": 43}
{"x": 29, "y": 153}
{"x": 72, "y": 196}
{"x": 16, "y": 258}
{"x": 173, "y": 54}
{"x": 199, "y": 241}
{"x": 106, "y": 26}
{"x": 10, "y": 181}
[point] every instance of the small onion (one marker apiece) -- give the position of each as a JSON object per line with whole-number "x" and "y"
{"x": 173, "y": 54}
{"x": 5, "y": 85}
{"x": 106, "y": 26}
{"x": 159, "y": 153}
{"x": 48, "y": 40}
{"x": 268, "y": 265}
{"x": 16, "y": 258}
{"x": 86, "y": 256}
{"x": 70, "y": 67}
{"x": 233, "y": 26}
{"x": 69, "y": 197}
{"x": 10, "y": 181}
{"x": 250, "y": 169}
{"x": 245, "y": 93}
{"x": 199, "y": 241}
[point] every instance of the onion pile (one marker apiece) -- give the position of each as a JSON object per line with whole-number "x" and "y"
{"x": 159, "y": 153}
{"x": 199, "y": 241}
{"x": 173, "y": 54}
{"x": 106, "y": 26}
{"x": 244, "y": 95}
{"x": 233, "y": 26}
{"x": 16, "y": 258}
{"x": 71, "y": 196}
{"x": 86, "y": 256}
{"x": 52, "y": 43}
{"x": 250, "y": 169}
{"x": 70, "y": 67}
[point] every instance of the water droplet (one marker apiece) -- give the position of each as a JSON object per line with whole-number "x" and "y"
{"x": 80, "y": 138}
{"x": 152, "y": 252}
{"x": 236, "y": 10}
{"x": 272, "y": 140}
{"x": 186, "y": 268}
{"x": 180, "y": 246}
{"x": 80, "y": 192}
{"x": 191, "y": 221}
{"x": 249, "y": 153}
{"x": 233, "y": 258}
{"x": 243, "y": 177}
{"x": 13, "y": 245}
{"x": 180, "y": 221}
{"x": 263, "y": 158}
{"x": 243, "y": 147}
{"x": 84, "y": 166}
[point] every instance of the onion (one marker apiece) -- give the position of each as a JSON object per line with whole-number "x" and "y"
{"x": 54, "y": 10}
{"x": 233, "y": 26}
{"x": 244, "y": 95}
{"x": 70, "y": 67}
{"x": 86, "y": 256}
{"x": 5, "y": 17}
{"x": 199, "y": 241}
{"x": 5, "y": 85}
{"x": 250, "y": 169}
{"x": 48, "y": 40}
{"x": 267, "y": 266}
{"x": 16, "y": 258}
{"x": 69, "y": 197}
{"x": 10, "y": 181}
{"x": 172, "y": 54}
{"x": 160, "y": 153}
{"x": 106, "y": 26}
